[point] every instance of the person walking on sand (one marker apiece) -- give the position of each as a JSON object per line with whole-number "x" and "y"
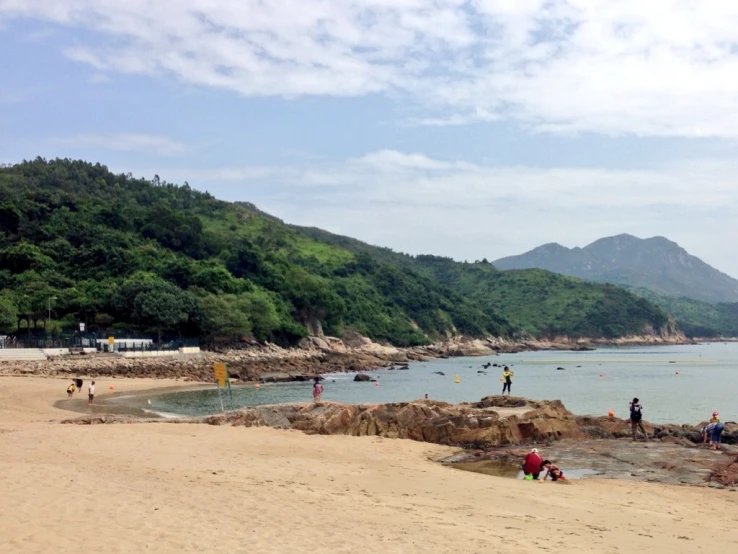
{"x": 91, "y": 393}
{"x": 70, "y": 390}
{"x": 317, "y": 390}
{"x": 507, "y": 376}
{"x": 636, "y": 417}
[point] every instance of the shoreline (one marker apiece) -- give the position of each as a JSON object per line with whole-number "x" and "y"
{"x": 168, "y": 488}
{"x": 320, "y": 355}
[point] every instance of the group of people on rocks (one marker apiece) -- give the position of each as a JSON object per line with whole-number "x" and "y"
{"x": 712, "y": 432}
{"x": 534, "y": 465}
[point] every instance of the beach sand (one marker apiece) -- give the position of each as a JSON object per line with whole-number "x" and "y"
{"x": 196, "y": 488}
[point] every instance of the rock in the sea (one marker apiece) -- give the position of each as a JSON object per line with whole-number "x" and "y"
{"x": 560, "y": 369}
{"x": 438, "y": 373}
{"x": 363, "y": 377}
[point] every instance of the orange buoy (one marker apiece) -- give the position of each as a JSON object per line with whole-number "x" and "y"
{"x": 602, "y": 374}
{"x": 376, "y": 383}
{"x": 111, "y": 387}
{"x": 677, "y": 373}
{"x": 611, "y": 413}
{"x": 257, "y": 386}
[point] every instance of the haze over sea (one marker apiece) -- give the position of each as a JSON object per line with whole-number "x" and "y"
{"x": 707, "y": 380}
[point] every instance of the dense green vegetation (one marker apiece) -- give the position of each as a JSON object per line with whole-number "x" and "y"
{"x": 695, "y": 318}
{"x": 130, "y": 255}
{"x": 535, "y": 301}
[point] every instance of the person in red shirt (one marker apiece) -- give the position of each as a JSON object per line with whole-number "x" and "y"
{"x": 532, "y": 463}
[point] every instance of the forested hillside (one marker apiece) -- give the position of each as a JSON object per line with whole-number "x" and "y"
{"x": 695, "y": 318}
{"x": 535, "y": 301}
{"x": 124, "y": 254}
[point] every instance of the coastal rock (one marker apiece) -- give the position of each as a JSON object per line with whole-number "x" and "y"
{"x": 421, "y": 420}
{"x": 363, "y": 377}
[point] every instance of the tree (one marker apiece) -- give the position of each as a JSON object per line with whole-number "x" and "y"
{"x": 261, "y": 312}
{"x": 220, "y": 317}
{"x": 8, "y": 315}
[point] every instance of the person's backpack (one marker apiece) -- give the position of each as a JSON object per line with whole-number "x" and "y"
{"x": 635, "y": 412}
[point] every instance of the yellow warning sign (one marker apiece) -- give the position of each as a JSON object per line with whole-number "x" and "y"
{"x": 221, "y": 375}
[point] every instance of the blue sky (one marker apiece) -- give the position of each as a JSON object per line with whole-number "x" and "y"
{"x": 467, "y": 128}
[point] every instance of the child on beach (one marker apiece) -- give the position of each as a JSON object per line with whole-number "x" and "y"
{"x": 553, "y": 470}
{"x": 317, "y": 390}
{"x": 91, "y": 393}
{"x": 70, "y": 390}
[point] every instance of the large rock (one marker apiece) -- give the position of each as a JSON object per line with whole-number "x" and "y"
{"x": 421, "y": 420}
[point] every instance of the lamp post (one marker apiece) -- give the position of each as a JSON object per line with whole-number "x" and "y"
{"x": 49, "y": 320}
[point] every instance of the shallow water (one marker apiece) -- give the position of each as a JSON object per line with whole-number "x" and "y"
{"x": 507, "y": 468}
{"x": 707, "y": 380}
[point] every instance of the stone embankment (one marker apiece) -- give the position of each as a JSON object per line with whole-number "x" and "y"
{"x": 315, "y": 355}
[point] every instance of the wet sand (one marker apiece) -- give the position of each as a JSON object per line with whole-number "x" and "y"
{"x": 198, "y": 488}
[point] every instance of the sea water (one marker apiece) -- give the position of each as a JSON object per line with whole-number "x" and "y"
{"x": 675, "y": 384}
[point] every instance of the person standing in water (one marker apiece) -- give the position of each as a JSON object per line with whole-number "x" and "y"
{"x": 636, "y": 417}
{"x": 507, "y": 376}
{"x": 317, "y": 390}
{"x": 91, "y": 393}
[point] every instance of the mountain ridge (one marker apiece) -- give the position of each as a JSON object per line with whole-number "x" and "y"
{"x": 655, "y": 263}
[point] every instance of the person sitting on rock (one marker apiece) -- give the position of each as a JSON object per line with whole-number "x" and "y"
{"x": 532, "y": 464}
{"x": 553, "y": 470}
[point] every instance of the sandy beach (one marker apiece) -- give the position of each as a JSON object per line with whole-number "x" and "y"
{"x": 197, "y": 488}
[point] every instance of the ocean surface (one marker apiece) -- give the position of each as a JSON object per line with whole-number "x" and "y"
{"x": 675, "y": 384}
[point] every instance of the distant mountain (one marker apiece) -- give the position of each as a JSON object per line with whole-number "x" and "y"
{"x": 656, "y": 264}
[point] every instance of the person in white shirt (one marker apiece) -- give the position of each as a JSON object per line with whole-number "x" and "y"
{"x": 91, "y": 393}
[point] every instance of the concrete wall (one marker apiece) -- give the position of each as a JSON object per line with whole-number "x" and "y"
{"x": 56, "y": 351}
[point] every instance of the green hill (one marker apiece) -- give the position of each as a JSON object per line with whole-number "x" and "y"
{"x": 130, "y": 255}
{"x": 124, "y": 254}
{"x": 536, "y": 301}
{"x": 695, "y": 318}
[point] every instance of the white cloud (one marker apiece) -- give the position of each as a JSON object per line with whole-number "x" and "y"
{"x": 656, "y": 68}
{"x": 126, "y": 142}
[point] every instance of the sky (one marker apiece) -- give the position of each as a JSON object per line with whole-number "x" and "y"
{"x": 465, "y": 128}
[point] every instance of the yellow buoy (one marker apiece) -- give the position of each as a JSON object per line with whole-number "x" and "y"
{"x": 457, "y": 380}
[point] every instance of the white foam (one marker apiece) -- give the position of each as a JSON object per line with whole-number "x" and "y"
{"x": 165, "y": 415}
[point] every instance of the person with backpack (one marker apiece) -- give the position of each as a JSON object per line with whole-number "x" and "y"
{"x": 636, "y": 417}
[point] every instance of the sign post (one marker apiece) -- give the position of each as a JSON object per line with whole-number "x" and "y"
{"x": 221, "y": 377}
{"x": 111, "y": 343}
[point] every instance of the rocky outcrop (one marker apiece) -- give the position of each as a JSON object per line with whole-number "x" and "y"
{"x": 725, "y": 473}
{"x": 614, "y": 428}
{"x": 422, "y": 420}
